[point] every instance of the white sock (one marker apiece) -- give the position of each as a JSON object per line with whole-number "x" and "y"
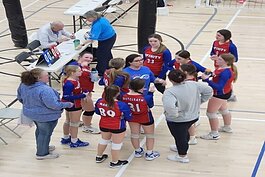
{"x": 138, "y": 150}
{"x": 74, "y": 140}
{"x": 149, "y": 152}
{"x": 66, "y": 136}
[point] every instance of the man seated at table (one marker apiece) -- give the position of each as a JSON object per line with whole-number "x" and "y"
{"x": 53, "y": 34}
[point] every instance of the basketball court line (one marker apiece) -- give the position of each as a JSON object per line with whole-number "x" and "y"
{"x": 261, "y": 154}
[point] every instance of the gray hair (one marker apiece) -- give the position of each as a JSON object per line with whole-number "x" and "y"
{"x": 92, "y": 14}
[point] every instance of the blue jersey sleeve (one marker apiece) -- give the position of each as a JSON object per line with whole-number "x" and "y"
{"x": 166, "y": 58}
{"x": 212, "y": 51}
{"x": 119, "y": 81}
{"x": 223, "y": 78}
{"x": 96, "y": 107}
{"x": 125, "y": 109}
{"x": 152, "y": 76}
{"x": 68, "y": 89}
{"x": 199, "y": 68}
{"x": 171, "y": 64}
{"x": 149, "y": 98}
{"x": 233, "y": 50}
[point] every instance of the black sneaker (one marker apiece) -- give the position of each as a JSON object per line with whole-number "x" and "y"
{"x": 118, "y": 164}
{"x": 102, "y": 158}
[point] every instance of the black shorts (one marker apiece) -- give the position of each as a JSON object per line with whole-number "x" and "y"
{"x": 225, "y": 96}
{"x": 72, "y": 109}
{"x": 148, "y": 123}
{"x": 116, "y": 131}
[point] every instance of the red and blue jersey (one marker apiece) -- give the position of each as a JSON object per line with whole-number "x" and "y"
{"x": 222, "y": 81}
{"x": 72, "y": 92}
{"x": 85, "y": 81}
{"x": 174, "y": 64}
{"x": 140, "y": 107}
{"x": 157, "y": 62}
{"x": 113, "y": 118}
{"x": 119, "y": 81}
{"x": 227, "y": 47}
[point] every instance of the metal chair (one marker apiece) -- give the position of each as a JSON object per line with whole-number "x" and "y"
{"x": 24, "y": 57}
{"x": 8, "y": 114}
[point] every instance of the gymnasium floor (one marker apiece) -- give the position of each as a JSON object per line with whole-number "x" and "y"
{"x": 237, "y": 154}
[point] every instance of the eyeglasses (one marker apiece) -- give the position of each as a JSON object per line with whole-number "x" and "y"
{"x": 138, "y": 60}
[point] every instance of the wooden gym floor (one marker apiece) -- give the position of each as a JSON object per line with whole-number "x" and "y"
{"x": 234, "y": 154}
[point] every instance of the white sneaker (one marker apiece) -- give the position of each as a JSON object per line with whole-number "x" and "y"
{"x": 51, "y": 148}
{"x": 210, "y": 136}
{"x": 139, "y": 154}
{"x": 152, "y": 156}
{"x": 173, "y": 148}
{"x": 49, "y": 156}
{"x": 177, "y": 158}
{"x": 226, "y": 129}
{"x": 91, "y": 129}
{"x": 193, "y": 141}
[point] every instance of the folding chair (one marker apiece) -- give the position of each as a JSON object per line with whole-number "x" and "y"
{"x": 8, "y": 114}
{"x": 112, "y": 9}
{"x": 23, "y": 57}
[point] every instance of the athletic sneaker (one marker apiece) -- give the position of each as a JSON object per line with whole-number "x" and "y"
{"x": 79, "y": 143}
{"x": 139, "y": 154}
{"x": 49, "y": 156}
{"x": 177, "y": 158}
{"x": 90, "y": 129}
{"x": 173, "y": 148}
{"x": 152, "y": 156}
{"x": 210, "y": 136}
{"x": 118, "y": 164}
{"x": 51, "y": 148}
{"x": 102, "y": 158}
{"x": 193, "y": 141}
{"x": 226, "y": 129}
{"x": 66, "y": 141}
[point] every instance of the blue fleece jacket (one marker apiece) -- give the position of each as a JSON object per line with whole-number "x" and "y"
{"x": 41, "y": 103}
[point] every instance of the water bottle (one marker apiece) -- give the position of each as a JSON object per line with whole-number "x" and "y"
{"x": 94, "y": 75}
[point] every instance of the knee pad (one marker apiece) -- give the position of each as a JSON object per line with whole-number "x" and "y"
{"x": 148, "y": 135}
{"x": 103, "y": 141}
{"x": 224, "y": 112}
{"x": 115, "y": 146}
{"x": 66, "y": 123}
{"x": 211, "y": 115}
{"x": 74, "y": 124}
{"x": 135, "y": 136}
{"x": 88, "y": 113}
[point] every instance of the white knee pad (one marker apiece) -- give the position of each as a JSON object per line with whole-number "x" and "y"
{"x": 135, "y": 136}
{"x": 115, "y": 146}
{"x": 211, "y": 115}
{"x": 66, "y": 123}
{"x": 103, "y": 141}
{"x": 224, "y": 112}
{"x": 149, "y": 135}
{"x": 74, "y": 124}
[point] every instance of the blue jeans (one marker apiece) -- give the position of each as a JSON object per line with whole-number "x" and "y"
{"x": 43, "y": 135}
